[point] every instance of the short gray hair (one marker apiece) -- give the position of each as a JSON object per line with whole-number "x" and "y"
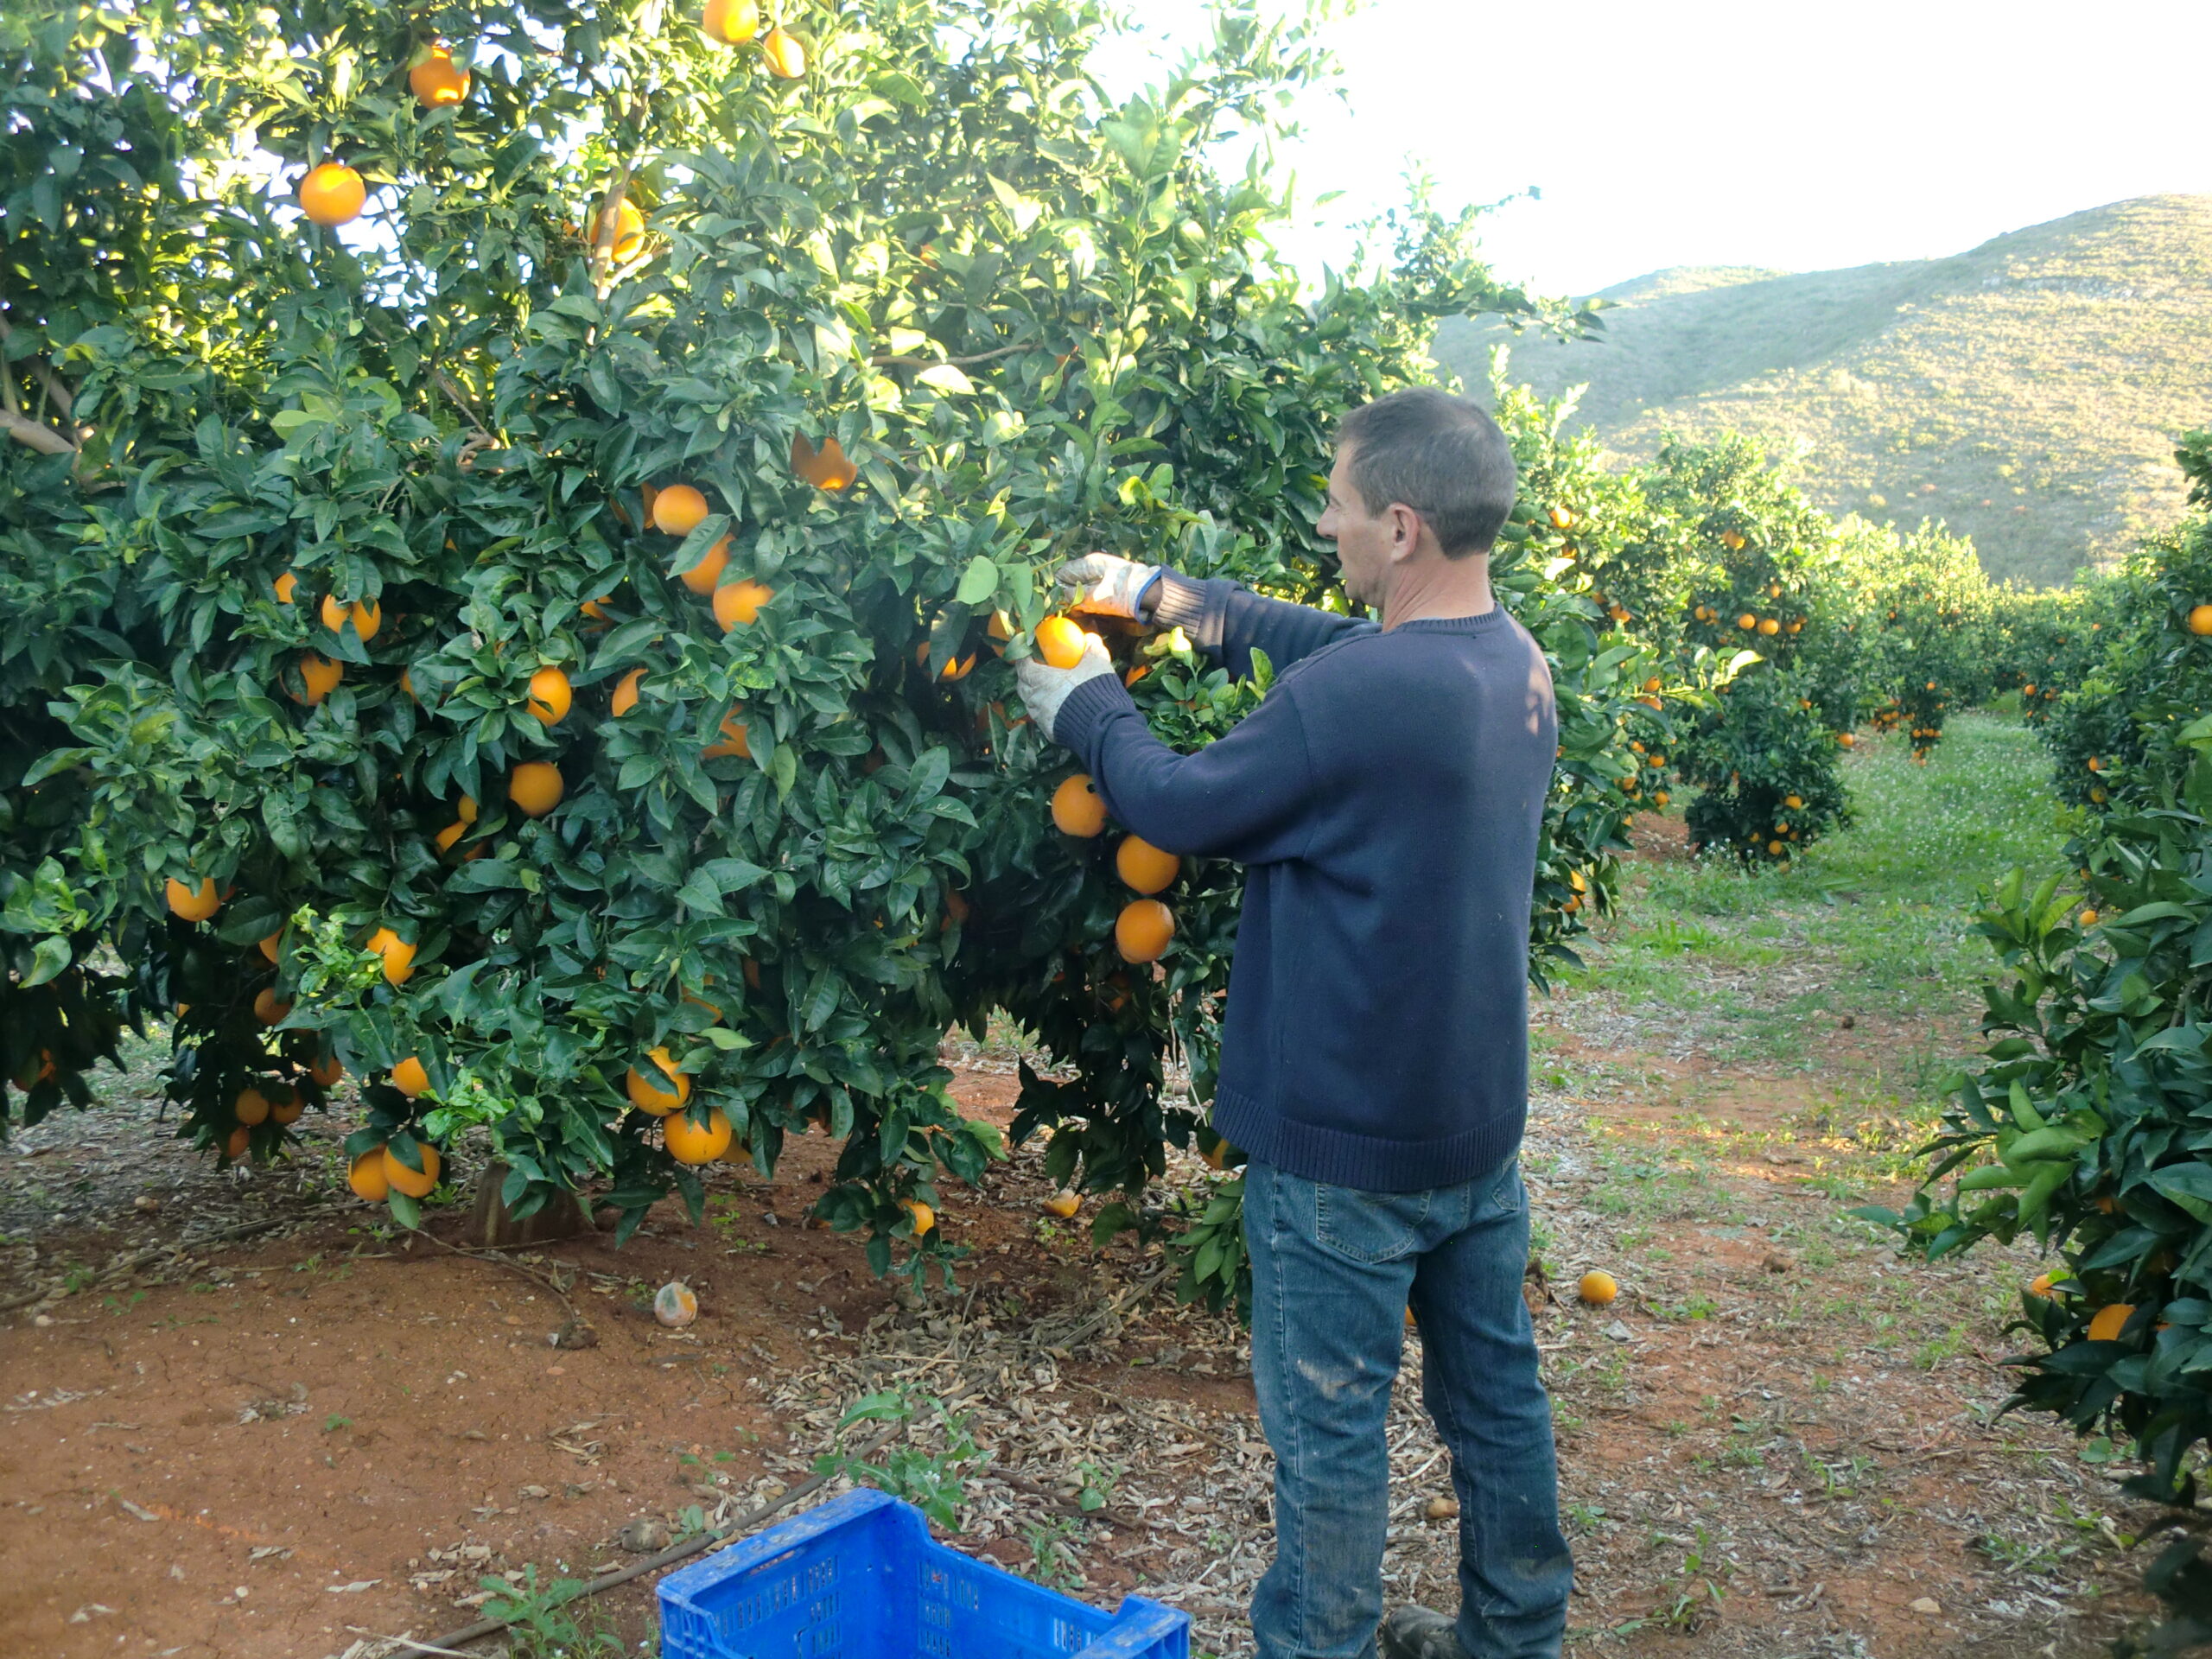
{"x": 1440, "y": 455}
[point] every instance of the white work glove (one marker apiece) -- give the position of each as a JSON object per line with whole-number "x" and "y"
{"x": 1106, "y": 585}
{"x": 1045, "y": 689}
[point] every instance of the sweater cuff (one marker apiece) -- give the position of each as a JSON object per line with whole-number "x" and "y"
{"x": 1181, "y": 603}
{"x": 1088, "y": 708}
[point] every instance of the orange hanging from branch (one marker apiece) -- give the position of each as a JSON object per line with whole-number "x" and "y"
{"x": 825, "y": 469}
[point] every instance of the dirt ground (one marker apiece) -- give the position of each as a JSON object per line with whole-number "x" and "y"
{"x": 305, "y": 1439}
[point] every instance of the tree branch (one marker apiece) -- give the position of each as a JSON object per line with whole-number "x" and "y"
{"x": 56, "y": 387}
{"x": 910, "y": 361}
{"x": 44, "y": 439}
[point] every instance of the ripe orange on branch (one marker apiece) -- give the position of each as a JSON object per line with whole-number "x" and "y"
{"x": 663, "y": 1089}
{"x": 786, "y": 59}
{"x": 625, "y": 693}
{"x": 366, "y": 616}
{"x": 550, "y": 696}
{"x": 731, "y": 21}
{"x": 1144, "y": 929}
{"x": 691, "y": 1142}
{"x": 702, "y": 577}
{"x": 319, "y": 676}
{"x": 193, "y": 903}
{"x": 1144, "y": 867}
{"x": 1078, "y": 809}
{"x": 2200, "y": 621}
{"x": 678, "y": 510}
{"x": 332, "y": 195}
{"x": 416, "y": 1183}
{"x": 435, "y": 79}
{"x": 825, "y": 469}
{"x": 619, "y": 225}
{"x": 367, "y": 1177}
{"x": 534, "y": 788}
{"x": 737, "y": 604}
{"x": 410, "y": 1077}
{"x": 251, "y": 1108}
{"x": 735, "y": 741}
{"x": 398, "y": 955}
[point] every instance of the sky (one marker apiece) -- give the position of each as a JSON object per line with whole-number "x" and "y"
{"x": 1791, "y": 135}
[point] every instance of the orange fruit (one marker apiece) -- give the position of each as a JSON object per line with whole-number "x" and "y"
{"x": 267, "y": 1009}
{"x": 366, "y": 616}
{"x": 286, "y": 1107}
{"x": 999, "y": 631}
{"x": 957, "y": 909}
{"x": 2088, "y": 919}
{"x": 647, "y": 1095}
{"x": 2200, "y": 621}
{"x": 1078, "y": 809}
{"x": 367, "y": 1177}
{"x": 467, "y": 809}
{"x": 678, "y": 510}
{"x": 1747, "y": 621}
{"x": 1143, "y": 930}
{"x": 625, "y": 693}
{"x": 702, "y": 577}
{"x": 534, "y": 788}
{"x": 1768, "y": 625}
{"x": 550, "y": 696}
{"x": 398, "y": 955}
{"x": 241, "y": 1139}
{"x": 785, "y": 57}
{"x": 1218, "y": 1158}
{"x": 285, "y": 586}
{"x": 734, "y": 740}
{"x": 676, "y": 1305}
{"x": 1597, "y": 1288}
{"x": 416, "y": 1183}
{"x": 691, "y": 1142}
{"x": 436, "y": 80}
{"x": 737, "y": 604}
{"x": 251, "y": 1108}
{"x": 1562, "y": 519}
{"x": 1846, "y": 738}
{"x": 269, "y": 946}
{"x": 625, "y": 235}
{"x": 194, "y": 904}
{"x": 825, "y": 469}
{"x": 326, "y": 1071}
{"x": 452, "y": 833}
{"x": 957, "y": 669}
{"x": 924, "y": 1217}
{"x": 2106, "y": 1324}
{"x": 1143, "y": 865}
{"x": 410, "y": 1077}
{"x": 2041, "y": 1286}
{"x": 319, "y": 676}
{"x": 1062, "y": 1204}
{"x": 1793, "y": 802}
{"x": 1059, "y": 642}
{"x": 332, "y": 195}
{"x": 731, "y": 21}
{"x": 595, "y": 609}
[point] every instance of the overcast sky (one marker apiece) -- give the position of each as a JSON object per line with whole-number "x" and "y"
{"x": 1797, "y": 135}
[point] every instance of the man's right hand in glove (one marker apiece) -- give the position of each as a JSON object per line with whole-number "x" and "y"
{"x": 1106, "y": 585}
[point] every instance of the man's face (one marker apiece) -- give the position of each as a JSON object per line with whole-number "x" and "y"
{"x": 1363, "y": 542}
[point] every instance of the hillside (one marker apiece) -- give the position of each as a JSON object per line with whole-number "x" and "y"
{"x": 2027, "y": 392}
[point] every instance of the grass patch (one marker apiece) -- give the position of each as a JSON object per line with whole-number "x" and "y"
{"x": 1875, "y": 922}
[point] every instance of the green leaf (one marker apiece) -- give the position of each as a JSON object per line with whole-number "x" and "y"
{"x": 978, "y": 582}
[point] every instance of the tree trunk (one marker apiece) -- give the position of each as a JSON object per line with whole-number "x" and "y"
{"x": 491, "y": 1223}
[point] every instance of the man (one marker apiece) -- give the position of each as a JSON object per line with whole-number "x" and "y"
{"x": 1386, "y": 797}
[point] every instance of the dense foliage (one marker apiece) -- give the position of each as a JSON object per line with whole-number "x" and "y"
{"x": 2085, "y": 1125}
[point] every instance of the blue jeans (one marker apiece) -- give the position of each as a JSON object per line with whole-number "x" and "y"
{"x": 1333, "y": 1270}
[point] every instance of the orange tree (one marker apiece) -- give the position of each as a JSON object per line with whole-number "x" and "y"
{"x": 1737, "y": 582}
{"x": 1929, "y": 629}
{"x": 534, "y": 647}
{"x": 2082, "y": 1127}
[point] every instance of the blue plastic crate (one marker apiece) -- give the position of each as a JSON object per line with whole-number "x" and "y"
{"x": 860, "y": 1578}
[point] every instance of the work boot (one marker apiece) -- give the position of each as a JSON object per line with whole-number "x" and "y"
{"x": 1416, "y": 1633}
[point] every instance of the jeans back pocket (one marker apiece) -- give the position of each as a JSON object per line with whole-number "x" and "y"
{"x": 1370, "y": 1227}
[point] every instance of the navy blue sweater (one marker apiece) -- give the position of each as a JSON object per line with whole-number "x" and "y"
{"x": 1386, "y": 797}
